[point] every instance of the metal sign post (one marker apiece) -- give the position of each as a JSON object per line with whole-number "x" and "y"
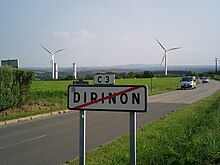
{"x": 82, "y": 137}
{"x": 133, "y": 124}
{"x": 82, "y": 130}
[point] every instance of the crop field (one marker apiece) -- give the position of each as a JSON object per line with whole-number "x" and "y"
{"x": 159, "y": 85}
{"x": 47, "y": 89}
{"x": 47, "y": 96}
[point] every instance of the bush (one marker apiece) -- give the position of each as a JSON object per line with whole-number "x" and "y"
{"x": 14, "y": 86}
{"x": 24, "y": 80}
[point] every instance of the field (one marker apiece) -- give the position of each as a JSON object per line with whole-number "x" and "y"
{"x": 188, "y": 136}
{"x": 159, "y": 85}
{"x": 47, "y": 89}
{"x": 47, "y": 96}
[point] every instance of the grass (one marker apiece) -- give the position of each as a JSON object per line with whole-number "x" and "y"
{"x": 47, "y": 96}
{"x": 187, "y": 136}
{"x": 159, "y": 85}
{"x": 217, "y": 78}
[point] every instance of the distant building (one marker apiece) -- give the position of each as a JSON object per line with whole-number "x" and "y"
{"x": 14, "y": 63}
{"x": 74, "y": 71}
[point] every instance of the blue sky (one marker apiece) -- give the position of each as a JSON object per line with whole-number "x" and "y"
{"x": 106, "y": 33}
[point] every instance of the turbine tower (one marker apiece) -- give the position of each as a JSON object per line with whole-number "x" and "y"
{"x": 52, "y": 59}
{"x": 165, "y": 55}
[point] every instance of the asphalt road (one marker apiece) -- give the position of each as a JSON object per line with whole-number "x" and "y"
{"x": 53, "y": 140}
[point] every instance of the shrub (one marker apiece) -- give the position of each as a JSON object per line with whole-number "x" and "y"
{"x": 14, "y": 86}
{"x": 24, "y": 80}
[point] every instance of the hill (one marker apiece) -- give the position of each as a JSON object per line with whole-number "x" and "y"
{"x": 45, "y": 73}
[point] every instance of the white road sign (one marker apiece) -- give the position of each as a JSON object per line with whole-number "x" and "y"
{"x": 104, "y": 79}
{"x": 129, "y": 98}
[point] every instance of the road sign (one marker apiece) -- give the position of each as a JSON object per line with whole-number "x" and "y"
{"x": 128, "y": 98}
{"x": 105, "y": 79}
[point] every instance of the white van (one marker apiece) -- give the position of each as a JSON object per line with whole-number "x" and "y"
{"x": 188, "y": 82}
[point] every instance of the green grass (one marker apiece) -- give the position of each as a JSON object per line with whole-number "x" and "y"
{"x": 50, "y": 89}
{"x": 187, "y": 136}
{"x": 47, "y": 96}
{"x": 159, "y": 85}
{"x": 50, "y": 85}
{"x": 217, "y": 78}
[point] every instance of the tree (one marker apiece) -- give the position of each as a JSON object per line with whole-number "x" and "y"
{"x": 131, "y": 75}
{"x": 190, "y": 73}
{"x": 147, "y": 74}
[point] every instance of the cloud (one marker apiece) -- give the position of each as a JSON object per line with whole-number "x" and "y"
{"x": 78, "y": 36}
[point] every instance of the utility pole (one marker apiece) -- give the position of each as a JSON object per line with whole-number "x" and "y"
{"x": 216, "y": 64}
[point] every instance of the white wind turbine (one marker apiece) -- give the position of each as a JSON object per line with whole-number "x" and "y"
{"x": 52, "y": 58}
{"x": 165, "y": 55}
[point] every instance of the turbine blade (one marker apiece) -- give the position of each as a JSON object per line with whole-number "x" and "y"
{"x": 174, "y": 48}
{"x": 46, "y": 49}
{"x": 59, "y": 50}
{"x": 160, "y": 44}
{"x": 163, "y": 58}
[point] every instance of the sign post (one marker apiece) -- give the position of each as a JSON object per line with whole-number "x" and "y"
{"x": 82, "y": 137}
{"x": 108, "y": 97}
{"x": 82, "y": 130}
{"x": 133, "y": 126}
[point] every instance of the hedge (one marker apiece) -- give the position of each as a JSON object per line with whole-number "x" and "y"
{"x": 14, "y": 86}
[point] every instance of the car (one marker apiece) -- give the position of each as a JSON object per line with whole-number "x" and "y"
{"x": 205, "y": 80}
{"x": 188, "y": 82}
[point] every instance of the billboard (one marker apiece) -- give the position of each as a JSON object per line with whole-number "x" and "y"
{"x": 14, "y": 63}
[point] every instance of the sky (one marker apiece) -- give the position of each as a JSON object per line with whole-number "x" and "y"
{"x": 108, "y": 33}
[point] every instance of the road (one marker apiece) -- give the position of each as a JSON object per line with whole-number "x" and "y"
{"x": 53, "y": 140}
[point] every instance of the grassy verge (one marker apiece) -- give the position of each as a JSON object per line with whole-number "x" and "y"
{"x": 187, "y": 136}
{"x": 47, "y": 96}
{"x": 217, "y": 78}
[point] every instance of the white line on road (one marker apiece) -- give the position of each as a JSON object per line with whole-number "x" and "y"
{"x": 24, "y": 141}
{"x": 38, "y": 137}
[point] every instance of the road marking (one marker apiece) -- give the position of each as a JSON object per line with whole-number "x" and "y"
{"x": 28, "y": 140}
{"x": 24, "y": 141}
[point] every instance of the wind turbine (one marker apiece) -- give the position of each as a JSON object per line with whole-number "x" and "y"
{"x": 52, "y": 57}
{"x": 165, "y": 55}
